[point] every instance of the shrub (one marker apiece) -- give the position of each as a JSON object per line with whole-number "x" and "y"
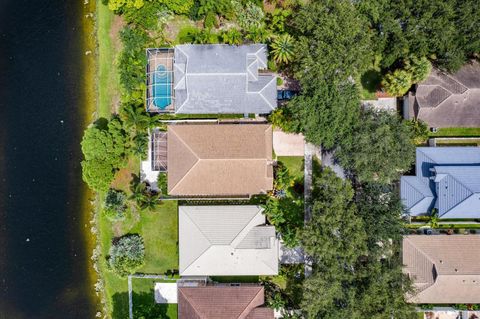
{"x": 178, "y": 6}
{"x": 132, "y": 62}
{"x": 121, "y": 6}
{"x": 115, "y": 207}
{"x": 187, "y": 34}
{"x": 420, "y": 131}
{"x": 419, "y": 68}
{"x": 232, "y": 36}
{"x": 248, "y": 16}
{"x": 210, "y": 20}
{"x": 279, "y": 81}
{"x": 126, "y": 254}
{"x": 162, "y": 183}
{"x": 398, "y": 82}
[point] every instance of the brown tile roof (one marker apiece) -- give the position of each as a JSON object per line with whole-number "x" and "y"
{"x": 219, "y": 159}
{"x": 450, "y": 100}
{"x": 444, "y": 269}
{"x": 222, "y": 302}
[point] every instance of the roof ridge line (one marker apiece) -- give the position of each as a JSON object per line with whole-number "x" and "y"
{"x": 463, "y": 185}
{"x": 194, "y": 154}
{"x": 243, "y": 314}
{"x": 259, "y": 211}
{"x": 194, "y": 308}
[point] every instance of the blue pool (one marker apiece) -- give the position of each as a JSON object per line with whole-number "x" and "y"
{"x": 162, "y": 87}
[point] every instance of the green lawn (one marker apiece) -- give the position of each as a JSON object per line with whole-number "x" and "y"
{"x": 456, "y": 132}
{"x": 295, "y": 165}
{"x": 107, "y": 77}
{"x": 420, "y": 315}
{"x": 159, "y": 230}
{"x": 370, "y": 83}
{"x": 143, "y": 294}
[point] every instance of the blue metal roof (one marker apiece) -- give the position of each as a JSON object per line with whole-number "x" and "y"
{"x": 448, "y": 176}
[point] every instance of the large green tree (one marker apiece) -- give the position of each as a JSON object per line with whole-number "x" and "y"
{"x": 380, "y": 149}
{"x": 328, "y": 112}
{"x": 104, "y": 151}
{"x": 333, "y": 41}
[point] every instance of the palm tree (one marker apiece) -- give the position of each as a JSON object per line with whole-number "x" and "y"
{"x": 139, "y": 146}
{"x": 282, "y": 48}
{"x": 150, "y": 202}
{"x": 134, "y": 116}
{"x": 138, "y": 193}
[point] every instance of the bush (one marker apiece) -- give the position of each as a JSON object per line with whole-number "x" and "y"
{"x": 248, "y": 16}
{"x": 114, "y": 206}
{"x": 419, "y": 68}
{"x": 148, "y": 16}
{"x": 210, "y": 20}
{"x": 398, "y": 82}
{"x": 162, "y": 183}
{"x": 132, "y": 62}
{"x": 126, "y": 255}
{"x": 179, "y": 6}
{"x": 279, "y": 81}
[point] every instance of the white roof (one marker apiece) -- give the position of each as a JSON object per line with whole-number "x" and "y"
{"x": 225, "y": 241}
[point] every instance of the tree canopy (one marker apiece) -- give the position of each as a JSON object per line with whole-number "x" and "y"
{"x": 126, "y": 254}
{"x": 104, "y": 150}
{"x": 328, "y": 112}
{"x": 328, "y": 32}
{"x": 380, "y": 149}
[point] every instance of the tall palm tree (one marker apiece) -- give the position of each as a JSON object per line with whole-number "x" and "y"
{"x": 282, "y": 48}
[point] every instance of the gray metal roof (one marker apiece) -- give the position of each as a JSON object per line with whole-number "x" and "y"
{"x": 220, "y": 78}
{"x": 226, "y": 240}
{"x": 447, "y": 178}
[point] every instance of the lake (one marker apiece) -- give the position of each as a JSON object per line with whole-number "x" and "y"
{"x": 45, "y": 243}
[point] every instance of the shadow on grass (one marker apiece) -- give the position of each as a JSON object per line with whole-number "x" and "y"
{"x": 144, "y": 307}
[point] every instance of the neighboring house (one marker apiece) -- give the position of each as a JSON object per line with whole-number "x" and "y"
{"x": 447, "y": 100}
{"x": 447, "y": 179}
{"x": 223, "y": 302}
{"x": 444, "y": 269}
{"x": 226, "y": 241}
{"x": 210, "y": 79}
{"x": 214, "y": 160}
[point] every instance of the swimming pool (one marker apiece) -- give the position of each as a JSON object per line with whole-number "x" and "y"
{"x": 162, "y": 87}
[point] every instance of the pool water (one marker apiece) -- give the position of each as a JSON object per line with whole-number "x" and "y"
{"x": 162, "y": 87}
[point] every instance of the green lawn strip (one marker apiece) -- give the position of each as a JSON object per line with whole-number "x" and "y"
{"x": 457, "y": 132}
{"x": 295, "y": 165}
{"x": 159, "y": 230}
{"x": 420, "y": 315}
{"x": 235, "y": 279}
{"x": 144, "y": 296}
{"x": 108, "y": 82}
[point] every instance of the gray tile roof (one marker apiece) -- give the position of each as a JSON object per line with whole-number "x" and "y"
{"x": 447, "y": 178}
{"x": 221, "y": 78}
{"x": 449, "y": 100}
{"x": 226, "y": 240}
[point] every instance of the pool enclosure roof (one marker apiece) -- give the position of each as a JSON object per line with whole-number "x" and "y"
{"x": 159, "y": 95}
{"x": 216, "y": 78}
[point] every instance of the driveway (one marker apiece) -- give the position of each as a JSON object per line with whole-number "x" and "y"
{"x": 288, "y": 144}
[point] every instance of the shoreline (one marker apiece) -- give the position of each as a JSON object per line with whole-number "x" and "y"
{"x": 88, "y": 115}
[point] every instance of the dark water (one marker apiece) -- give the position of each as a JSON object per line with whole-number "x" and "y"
{"x": 43, "y": 257}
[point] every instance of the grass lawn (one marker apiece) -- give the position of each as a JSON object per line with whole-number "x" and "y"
{"x": 144, "y": 294}
{"x": 370, "y": 82}
{"x": 420, "y": 315}
{"x": 159, "y": 230}
{"x": 108, "y": 82}
{"x": 456, "y": 132}
{"x": 295, "y": 165}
